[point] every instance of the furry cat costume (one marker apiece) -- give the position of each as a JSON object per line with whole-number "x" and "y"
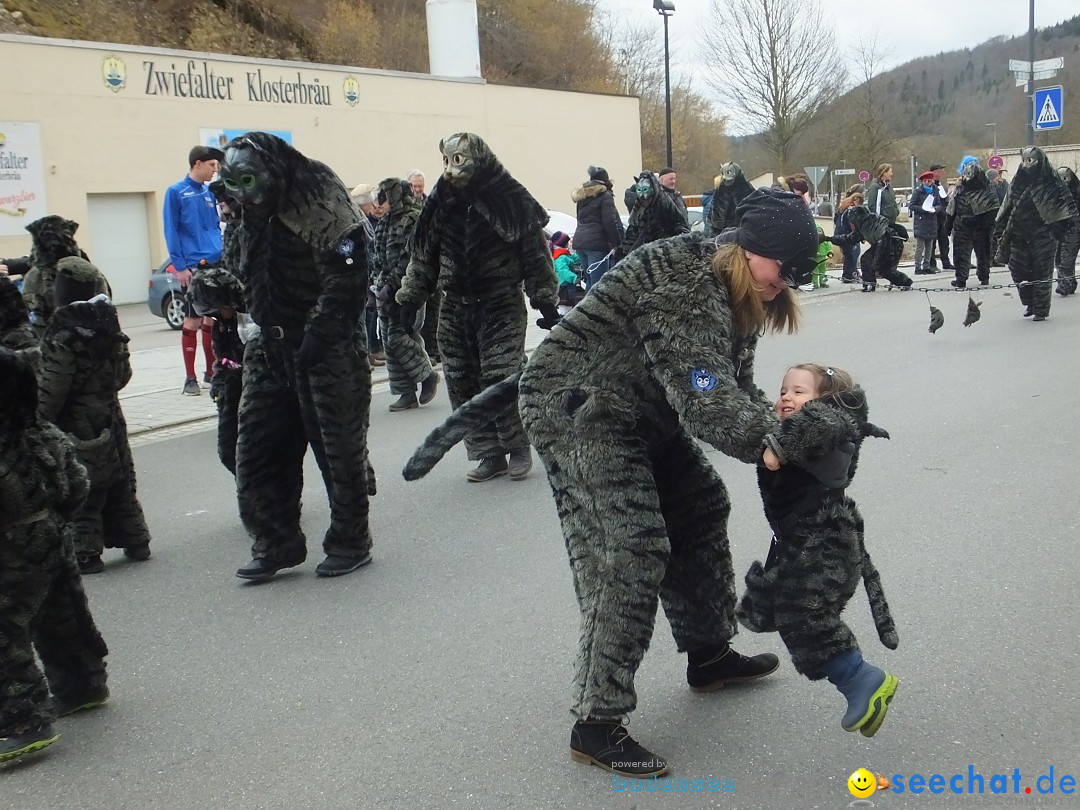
{"x": 84, "y": 365}
{"x": 969, "y": 216}
{"x": 1069, "y": 244}
{"x": 1037, "y": 211}
{"x": 212, "y": 291}
{"x": 886, "y": 246}
{"x": 43, "y": 607}
{"x": 53, "y": 239}
{"x": 480, "y": 237}
{"x": 407, "y": 363}
{"x": 656, "y": 215}
{"x": 16, "y": 333}
{"x": 726, "y": 197}
{"x": 818, "y": 555}
{"x": 617, "y": 430}
{"x": 306, "y": 378}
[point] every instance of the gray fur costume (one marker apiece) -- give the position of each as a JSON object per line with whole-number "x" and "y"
{"x": 1069, "y": 244}
{"x": 818, "y": 555}
{"x": 212, "y": 290}
{"x": 407, "y": 362}
{"x": 726, "y": 197}
{"x": 53, "y": 239}
{"x": 16, "y": 333}
{"x": 42, "y": 603}
{"x": 84, "y": 365}
{"x": 306, "y": 378}
{"x": 969, "y": 217}
{"x": 614, "y": 401}
{"x": 480, "y": 237}
{"x": 1037, "y": 211}
{"x": 886, "y": 246}
{"x": 656, "y": 215}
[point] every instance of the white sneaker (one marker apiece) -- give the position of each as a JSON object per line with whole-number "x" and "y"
{"x": 806, "y": 287}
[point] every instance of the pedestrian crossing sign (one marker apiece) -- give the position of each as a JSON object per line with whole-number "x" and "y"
{"x": 1047, "y": 108}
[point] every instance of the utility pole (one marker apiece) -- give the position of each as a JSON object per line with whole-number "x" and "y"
{"x": 994, "y": 125}
{"x": 665, "y": 8}
{"x": 1031, "y": 76}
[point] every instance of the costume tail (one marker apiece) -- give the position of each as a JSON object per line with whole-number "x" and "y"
{"x": 879, "y": 607}
{"x": 479, "y": 410}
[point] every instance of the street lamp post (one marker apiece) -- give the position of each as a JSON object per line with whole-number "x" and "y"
{"x": 994, "y": 125}
{"x": 665, "y": 8}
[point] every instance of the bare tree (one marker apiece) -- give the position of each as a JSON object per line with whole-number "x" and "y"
{"x": 776, "y": 63}
{"x": 866, "y": 114}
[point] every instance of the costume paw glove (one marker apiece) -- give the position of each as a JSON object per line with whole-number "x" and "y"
{"x": 312, "y": 351}
{"x": 551, "y": 317}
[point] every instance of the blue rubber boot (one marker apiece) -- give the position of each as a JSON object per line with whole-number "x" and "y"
{"x": 868, "y": 693}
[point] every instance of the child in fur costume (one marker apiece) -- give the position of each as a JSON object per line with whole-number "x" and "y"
{"x": 43, "y": 607}
{"x": 217, "y": 293}
{"x": 817, "y": 555}
{"x": 84, "y": 365}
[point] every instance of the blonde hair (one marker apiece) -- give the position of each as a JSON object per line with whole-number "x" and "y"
{"x": 881, "y": 169}
{"x": 749, "y": 313}
{"x": 855, "y": 198}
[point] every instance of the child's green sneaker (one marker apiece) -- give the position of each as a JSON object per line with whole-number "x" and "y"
{"x": 15, "y": 745}
{"x": 869, "y": 692}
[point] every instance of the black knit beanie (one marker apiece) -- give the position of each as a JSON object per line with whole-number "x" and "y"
{"x": 778, "y": 225}
{"x": 600, "y": 175}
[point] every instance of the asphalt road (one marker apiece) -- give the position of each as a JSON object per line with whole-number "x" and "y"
{"x": 438, "y": 676}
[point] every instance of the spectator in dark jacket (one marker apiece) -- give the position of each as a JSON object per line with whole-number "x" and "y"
{"x": 599, "y": 229}
{"x": 880, "y": 198}
{"x": 924, "y": 206}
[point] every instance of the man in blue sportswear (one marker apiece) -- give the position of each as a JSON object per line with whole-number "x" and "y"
{"x": 193, "y": 236}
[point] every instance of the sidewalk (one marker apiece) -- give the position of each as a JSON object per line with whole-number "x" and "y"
{"x": 152, "y": 401}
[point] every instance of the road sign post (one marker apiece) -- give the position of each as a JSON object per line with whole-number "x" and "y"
{"x": 864, "y": 175}
{"x": 1047, "y": 108}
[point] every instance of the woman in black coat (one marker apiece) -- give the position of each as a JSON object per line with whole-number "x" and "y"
{"x": 599, "y": 229}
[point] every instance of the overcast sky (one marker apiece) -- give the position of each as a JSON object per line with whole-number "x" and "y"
{"x": 937, "y": 25}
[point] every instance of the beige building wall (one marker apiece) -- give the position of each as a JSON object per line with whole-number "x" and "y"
{"x": 1059, "y": 155}
{"x": 116, "y": 123}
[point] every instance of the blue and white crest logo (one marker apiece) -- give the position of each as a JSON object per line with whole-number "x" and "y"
{"x": 351, "y": 88}
{"x": 114, "y": 73}
{"x": 702, "y": 380}
{"x": 345, "y": 247}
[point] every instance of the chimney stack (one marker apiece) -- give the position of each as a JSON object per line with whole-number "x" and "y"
{"x": 453, "y": 38}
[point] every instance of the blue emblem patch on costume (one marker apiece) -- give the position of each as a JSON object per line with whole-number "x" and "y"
{"x": 702, "y": 380}
{"x": 345, "y": 247}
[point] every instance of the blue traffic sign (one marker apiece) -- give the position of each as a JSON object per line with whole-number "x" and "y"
{"x": 1047, "y": 108}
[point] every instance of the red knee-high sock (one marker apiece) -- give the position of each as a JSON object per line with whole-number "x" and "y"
{"x": 208, "y": 346}
{"x": 189, "y": 343}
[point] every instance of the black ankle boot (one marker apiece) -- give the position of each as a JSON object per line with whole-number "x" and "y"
{"x": 488, "y": 468}
{"x": 710, "y": 668}
{"x": 429, "y": 387}
{"x": 607, "y": 744}
{"x": 1029, "y": 311}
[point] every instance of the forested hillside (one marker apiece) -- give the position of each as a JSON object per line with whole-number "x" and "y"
{"x": 935, "y": 107}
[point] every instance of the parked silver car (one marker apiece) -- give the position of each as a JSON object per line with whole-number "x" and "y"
{"x": 165, "y": 298}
